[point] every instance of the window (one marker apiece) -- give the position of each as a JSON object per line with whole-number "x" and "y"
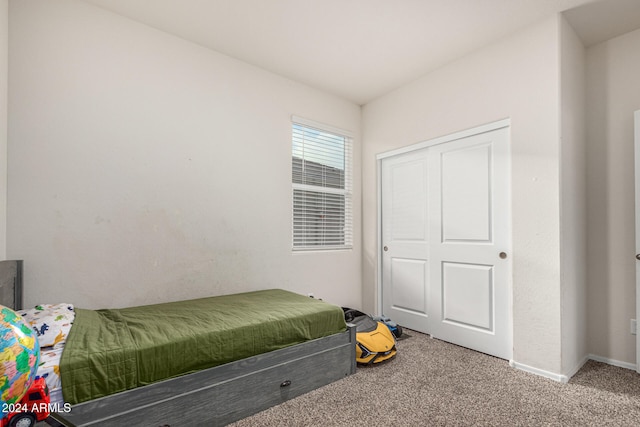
{"x": 321, "y": 165}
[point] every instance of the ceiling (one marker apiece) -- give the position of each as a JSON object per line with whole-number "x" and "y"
{"x": 362, "y": 49}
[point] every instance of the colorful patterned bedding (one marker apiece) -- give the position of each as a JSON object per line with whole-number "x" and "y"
{"x": 109, "y": 351}
{"x": 52, "y": 323}
{"x": 49, "y": 367}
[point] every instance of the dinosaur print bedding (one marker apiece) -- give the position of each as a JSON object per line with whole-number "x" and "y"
{"x": 52, "y": 323}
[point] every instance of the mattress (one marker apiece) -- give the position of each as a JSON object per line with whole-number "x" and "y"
{"x": 108, "y": 351}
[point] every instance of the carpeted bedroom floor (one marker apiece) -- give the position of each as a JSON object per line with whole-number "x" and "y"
{"x": 433, "y": 383}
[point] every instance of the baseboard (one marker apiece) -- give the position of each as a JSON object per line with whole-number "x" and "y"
{"x": 579, "y": 366}
{"x": 541, "y": 372}
{"x": 612, "y": 362}
{"x": 565, "y": 378}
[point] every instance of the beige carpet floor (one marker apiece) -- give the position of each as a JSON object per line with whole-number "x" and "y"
{"x": 433, "y": 383}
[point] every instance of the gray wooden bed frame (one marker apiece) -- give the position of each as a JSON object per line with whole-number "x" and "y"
{"x": 216, "y": 396}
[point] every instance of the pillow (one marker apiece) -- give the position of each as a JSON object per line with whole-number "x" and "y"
{"x": 51, "y": 322}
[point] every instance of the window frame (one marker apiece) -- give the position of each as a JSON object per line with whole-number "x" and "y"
{"x": 347, "y": 191}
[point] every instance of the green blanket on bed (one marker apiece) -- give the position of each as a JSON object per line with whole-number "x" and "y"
{"x": 109, "y": 351}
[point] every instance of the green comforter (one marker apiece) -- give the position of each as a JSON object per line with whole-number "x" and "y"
{"x": 109, "y": 351}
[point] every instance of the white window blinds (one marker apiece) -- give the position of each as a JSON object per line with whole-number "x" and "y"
{"x": 321, "y": 165}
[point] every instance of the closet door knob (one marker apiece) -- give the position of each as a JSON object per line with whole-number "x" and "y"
{"x": 503, "y": 255}
{"x": 638, "y": 256}
{"x": 386, "y": 249}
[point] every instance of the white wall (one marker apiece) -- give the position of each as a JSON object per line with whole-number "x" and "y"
{"x": 613, "y": 95}
{"x": 4, "y": 47}
{"x": 517, "y": 78}
{"x": 124, "y": 144}
{"x": 573, "y": 195}
{"x": 145, "y": 168}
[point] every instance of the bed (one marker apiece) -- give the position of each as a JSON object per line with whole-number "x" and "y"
{"x": 294, "y": 357}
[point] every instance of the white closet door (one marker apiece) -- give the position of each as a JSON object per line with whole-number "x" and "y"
{"x": 469, "y": 228}
{"x": 405, "y": 253}
{"x": 446, "y": 266}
